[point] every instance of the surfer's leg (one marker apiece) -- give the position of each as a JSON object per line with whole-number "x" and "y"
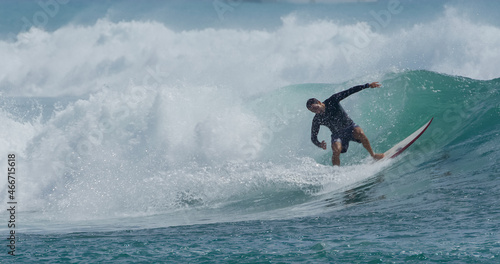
{"x": 337, "y": 149}
{"x": 358, "y": 134}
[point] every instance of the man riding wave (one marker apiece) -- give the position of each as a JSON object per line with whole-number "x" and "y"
{"x": 331, "y": 114}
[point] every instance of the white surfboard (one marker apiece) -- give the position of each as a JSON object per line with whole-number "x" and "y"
{"x": 403, "y": 145}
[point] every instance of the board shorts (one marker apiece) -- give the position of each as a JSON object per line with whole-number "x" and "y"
{"x": 344, "y": 136}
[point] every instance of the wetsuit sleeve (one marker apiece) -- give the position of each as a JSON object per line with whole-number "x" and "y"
{"x": 314, "y": 133}
{"x": 342, "y": 95}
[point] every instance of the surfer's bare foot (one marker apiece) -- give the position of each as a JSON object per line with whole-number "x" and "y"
{"x": 378, "y": 156}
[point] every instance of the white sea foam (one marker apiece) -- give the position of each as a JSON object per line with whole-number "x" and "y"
{"x": 75, "y": 60}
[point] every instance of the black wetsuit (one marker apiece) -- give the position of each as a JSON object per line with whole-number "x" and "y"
{"x": 334, "y": 117}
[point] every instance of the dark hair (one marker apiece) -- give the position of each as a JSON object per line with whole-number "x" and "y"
{"x": 311, "y": 102}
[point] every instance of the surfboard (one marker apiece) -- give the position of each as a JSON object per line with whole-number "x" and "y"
{"x": 405, "y": 143}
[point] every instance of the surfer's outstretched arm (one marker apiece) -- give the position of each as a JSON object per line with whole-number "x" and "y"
{"x": 342, "y": 95}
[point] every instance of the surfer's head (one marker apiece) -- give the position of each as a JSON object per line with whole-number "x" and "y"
{"x": 315, "y": 106}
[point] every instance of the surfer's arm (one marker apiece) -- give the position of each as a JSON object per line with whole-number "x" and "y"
{"x": 314, "y": 135}
{"x": 342, "y": 95}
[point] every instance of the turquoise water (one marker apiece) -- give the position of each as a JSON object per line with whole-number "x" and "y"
{"x": 169, "y": 132}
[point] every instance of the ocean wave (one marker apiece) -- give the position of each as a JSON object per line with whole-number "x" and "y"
{"x": 138, "y": 151}
{"x": 133, "y": 118}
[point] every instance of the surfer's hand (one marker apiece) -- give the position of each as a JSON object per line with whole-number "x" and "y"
{"x": 375, "y": 85}
{"x": 323, "y": 144}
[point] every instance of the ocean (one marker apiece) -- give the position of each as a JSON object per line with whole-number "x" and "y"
{"x": 177, "y": 132}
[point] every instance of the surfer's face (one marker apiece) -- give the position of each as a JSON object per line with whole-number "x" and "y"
{"x": 317, "y": 108}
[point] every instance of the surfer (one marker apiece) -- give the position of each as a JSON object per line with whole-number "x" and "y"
{"x": 331, "y": 114}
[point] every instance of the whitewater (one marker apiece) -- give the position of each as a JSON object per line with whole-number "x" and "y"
{"x": 177, "y": 131}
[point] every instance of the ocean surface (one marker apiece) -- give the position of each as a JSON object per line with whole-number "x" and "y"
{"x": 176, "y": 131}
